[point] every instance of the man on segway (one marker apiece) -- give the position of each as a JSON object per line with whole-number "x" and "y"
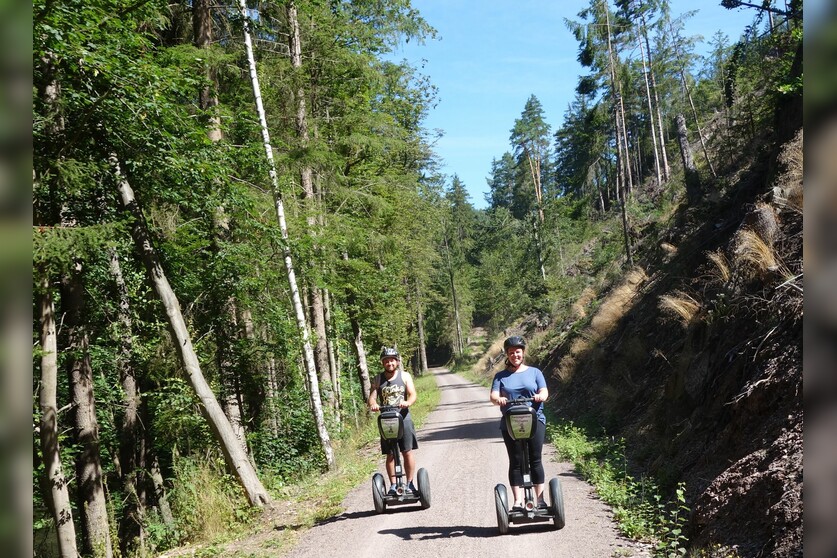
{"x": 394, "y": 386}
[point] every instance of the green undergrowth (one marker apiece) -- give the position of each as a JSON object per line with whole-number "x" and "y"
{"x": 639, "y": 509}
{"x": 211, "y": 510}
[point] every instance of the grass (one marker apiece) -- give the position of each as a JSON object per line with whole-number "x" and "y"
{"x": 754, "y": 252}
{"x": 318, "y": 497}
{"x": 681, "y": 305}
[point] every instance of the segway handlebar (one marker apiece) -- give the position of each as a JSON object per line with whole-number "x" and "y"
{"x": 385, "y": 408}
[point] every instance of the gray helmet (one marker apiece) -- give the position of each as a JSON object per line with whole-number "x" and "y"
{"x": 514, "y": 341}
{"x": 389, "y": 352}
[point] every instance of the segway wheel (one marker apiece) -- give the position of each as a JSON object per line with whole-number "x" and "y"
{"x": 378, "y": 491}
{"x": 556, "y": 503}
{"x": 501, "y": 503}
{"x": 424, "y": 488}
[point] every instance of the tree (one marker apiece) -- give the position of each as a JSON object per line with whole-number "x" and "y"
{"x": 230, "y": 445}
{"x": 308, "y": 354}
{"x": 55, "y": 482}
{"x": 682, "y": 52}
{"x": 530, "y": 138}
{"x": 91, "y": 491}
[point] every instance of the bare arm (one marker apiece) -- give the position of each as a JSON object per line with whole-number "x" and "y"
{"x": 372, "y": 402}
{"x": 497, "y": 399}
{"x": 410, "y": 388}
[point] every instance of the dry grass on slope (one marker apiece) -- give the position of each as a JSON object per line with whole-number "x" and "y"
{"x": 612, "y": 309}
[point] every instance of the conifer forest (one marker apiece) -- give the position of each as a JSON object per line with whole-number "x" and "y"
{"x": 236, "y": 206}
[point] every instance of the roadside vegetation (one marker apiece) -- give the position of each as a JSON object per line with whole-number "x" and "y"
{"x": 213, "y": 516}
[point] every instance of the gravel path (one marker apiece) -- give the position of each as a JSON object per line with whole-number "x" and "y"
{"x": 461, "y": 448}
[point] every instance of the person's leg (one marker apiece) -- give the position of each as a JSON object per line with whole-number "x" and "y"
{"x": 407, "y": 444}
{"x": 515, "y": 472}
{"x": 391, "y": 468}
{"x": 409, "y": 465}
{"x": 536, "y": 459}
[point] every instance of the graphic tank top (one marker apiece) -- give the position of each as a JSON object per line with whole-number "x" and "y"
{"x": 392, "y": 391}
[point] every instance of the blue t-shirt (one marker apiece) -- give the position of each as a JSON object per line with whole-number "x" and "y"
{"x": 526, "y": 383}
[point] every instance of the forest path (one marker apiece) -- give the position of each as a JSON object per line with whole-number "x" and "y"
{"x": 461, "y": 448}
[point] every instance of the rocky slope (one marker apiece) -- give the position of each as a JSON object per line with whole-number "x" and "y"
{"x": 696, "y": 360}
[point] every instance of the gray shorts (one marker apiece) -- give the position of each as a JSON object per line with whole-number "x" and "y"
{"x": 408, "y": 442}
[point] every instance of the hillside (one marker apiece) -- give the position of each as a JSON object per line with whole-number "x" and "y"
{"x": 695, "y": 359}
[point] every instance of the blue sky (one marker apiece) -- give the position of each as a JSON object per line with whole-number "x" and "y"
{"x": 491, "y": 55}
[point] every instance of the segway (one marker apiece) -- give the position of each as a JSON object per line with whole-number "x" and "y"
{"x": 391, "y": 427}
{"x": 520, "y": 422}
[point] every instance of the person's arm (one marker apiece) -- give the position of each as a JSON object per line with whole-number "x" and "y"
{"x": 372, "y": 402}
{"x": 497, "y": 399}
{"x": 542, "y": 392}
{"x": 495, "y": 396}
{"x": 410, "y": 388}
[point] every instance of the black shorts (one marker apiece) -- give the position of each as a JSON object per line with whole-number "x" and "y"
{"x": 408, "y": 442}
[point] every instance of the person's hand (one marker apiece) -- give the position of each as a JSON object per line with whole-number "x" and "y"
{"x": 538, "y": 398}
{"x": 403, "y": 404}
{"x": 374, "y": 407}
{"x": 502, "y": 401}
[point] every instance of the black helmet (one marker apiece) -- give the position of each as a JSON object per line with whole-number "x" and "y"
{"x": 389, "y": 352}
{"x": 514, "y": 341}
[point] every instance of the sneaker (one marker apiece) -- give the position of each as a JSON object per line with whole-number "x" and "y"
{"x": 542, "y": 504}
{"x": 518, "y": 506}
{"x": 392, "y": 491}
{"x": 411, "y": 488}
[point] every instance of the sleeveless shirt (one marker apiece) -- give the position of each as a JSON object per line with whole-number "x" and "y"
{"x": 393, "y": 391}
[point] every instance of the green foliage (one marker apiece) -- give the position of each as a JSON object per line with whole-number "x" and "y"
{"x": 292, "y": 452}
{"x": 638, "y": 506}
{"x": 673, "y": 541}
{"x": 207, "y": 503}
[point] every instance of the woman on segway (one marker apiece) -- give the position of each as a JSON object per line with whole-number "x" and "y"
{"x": 395, "y": 387}
{"x": 518, "y": 380}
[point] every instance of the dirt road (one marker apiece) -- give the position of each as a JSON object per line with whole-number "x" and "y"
{"x": 461, "y": 448}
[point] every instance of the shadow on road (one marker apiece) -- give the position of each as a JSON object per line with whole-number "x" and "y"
{"x": 446, "y": 532}
{"x": 466, "y": 431}
{"x": 347, "y": 515}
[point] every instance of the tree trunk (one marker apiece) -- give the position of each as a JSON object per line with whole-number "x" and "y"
{"x": 625, "y": 226}
{"x": 694, "y": 190}
{"x": 650, "y": 113}
{"x": 663, "y": 154}
{"x": 208, "y": 100}
{"x": 624, "y": 166}
{"x": 56, "y": 494}
{"x": 539, "y": 249}
{"x": 317, "y": 309}
{"x": 537, "y": 180}
{"x": 688, "y": 91}
{"x": 91, "y": 490}
{"x": 130, "y": 527}
{"x": 422, "y": 343}
{"x": 159, "y": 488}
{"x": 308, "y": 353}
{"x": 458, "y": 347}
{"x": 236, "y": 457}
{"x": 360, "y": 352}
{"x": 317, "y": 313}
{"x": 332, "y": 357}
{"x": 697, "y": 124}
{"x": 629, "y": 186}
